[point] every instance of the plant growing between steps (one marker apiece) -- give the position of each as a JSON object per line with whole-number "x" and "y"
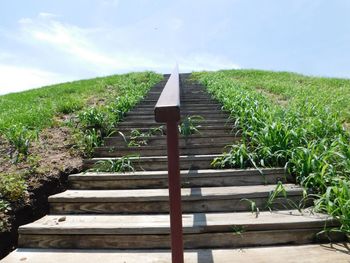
{"x": 121, "y": 165}
{"x": 305, "y": 137}
{"x": 190, "y": 125}
{"x": 275, "y": 196}
{"x": 238, "y": 230}
{"x": 138, "y": 138}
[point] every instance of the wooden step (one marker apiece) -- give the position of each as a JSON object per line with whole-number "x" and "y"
{"x": 183, "y": 141}
{"x": 154, "y": 163}
{"x": 205, "y": 199}
{"x": 202, "y": 230}
{"x": 152, "y": 123}
{"x": 150, "y": 112}
{"x": 190, "y": 178}
{"x": 146, "y": 118}
{"x": 314, "y": 253}
{"x": 204, "y": 130}
{"x": 151, "y": 150}
{"x": 193, "y": 107}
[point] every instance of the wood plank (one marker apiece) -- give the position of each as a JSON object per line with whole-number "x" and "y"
{"x": 324, "y": 253}
{"x": 193, "y": 178}
{"x": 191, "y": 241}
{"x": 192, "y": 223}
{"x": 204, "y": 193}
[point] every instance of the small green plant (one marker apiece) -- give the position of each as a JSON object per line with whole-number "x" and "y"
{"x": 190, "y": 125}
{"x": 88, "y": 140}
{"x": 238, "y": 230}
{"x": 254, "y": 208}
{"x": 277, "y": 193}
{"x": 97, "y": 118}
{"x": 336, "y": 202}
{"x": 69, "y": 105}
{"x": 138, "y": 138}
{"x": 121, "y": 165}
{"x": 5, "y": 224}
{"x": 19, "y": 138}
{"x": 13, "y": 187}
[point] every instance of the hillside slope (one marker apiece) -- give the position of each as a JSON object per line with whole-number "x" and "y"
{"x": 45, "y": 133}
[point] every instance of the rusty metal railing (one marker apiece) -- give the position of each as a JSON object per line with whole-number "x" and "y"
{"x": 167, "y": 110}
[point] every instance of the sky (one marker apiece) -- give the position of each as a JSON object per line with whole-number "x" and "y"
{"x": 46, "y": 42}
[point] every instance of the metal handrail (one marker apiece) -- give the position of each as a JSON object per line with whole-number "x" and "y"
{"x": 167, "y": 110}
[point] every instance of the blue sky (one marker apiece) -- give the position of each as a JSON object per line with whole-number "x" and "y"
{"x": 44, "y": 42}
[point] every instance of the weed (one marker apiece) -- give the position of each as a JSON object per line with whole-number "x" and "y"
{"x": 121, "y": 165}
{"x": 254, "y": 208}
{"x": 238, "y": 230}
{"x": 20, "y": 138}
{"x": 12, "y": 187}
{"x": 5, "y": 224}
{"x": 276, "y": 194}
{"x": 138, "y": 138}
{"x": 190, "y": 125}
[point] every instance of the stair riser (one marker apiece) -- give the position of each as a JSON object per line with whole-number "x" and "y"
{"x": 150, "y": 117}
{"x": 204, "y": 124}
{"x": 160, "y": 165}
{"x": 103, "y": 152}
{"x": 156, "y": 207}
{"x": 227, "y": 140}
{"x": 186, "y": 182}
{"x": 205, "y": 131}
{"x": 204, "y": 114}
{"x": 191, "y": 241}
{"x": 184, "y": 107}
{"x": 194, "y": 94}
{"x": 183, "y": 102}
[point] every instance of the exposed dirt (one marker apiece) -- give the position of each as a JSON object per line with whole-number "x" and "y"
{"x": 52, "y": 158}
{"x": 278, "y": 99}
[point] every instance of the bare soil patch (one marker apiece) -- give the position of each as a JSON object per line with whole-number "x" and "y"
{"x": 52, "y": 158}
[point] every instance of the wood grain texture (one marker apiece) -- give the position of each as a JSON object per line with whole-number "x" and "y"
{"x": 192, "y": 223}
{"x": 325, "y": 253}
{"x": 191, "y": 241}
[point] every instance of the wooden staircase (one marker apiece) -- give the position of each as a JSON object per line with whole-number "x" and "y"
{"x": 123, "y": 217}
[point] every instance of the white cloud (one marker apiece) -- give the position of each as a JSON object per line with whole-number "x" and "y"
{"x": 84, "y": 45}
{"x": 47, "y": 15}
{"x": 176, "y": 24}
{"x": 15, "y": 78}
{"x": 203, "y": 61}
{"x": 57, "y": 48}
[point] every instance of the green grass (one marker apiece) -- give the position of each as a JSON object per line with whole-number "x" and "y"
{"x": 305, "y": 134}
{"x": 332, "y": 93}
{"x": 36, "y": 108}
{"x": 95, "y": 107}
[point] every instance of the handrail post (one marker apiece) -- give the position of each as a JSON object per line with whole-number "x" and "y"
{"x": 174, "y": 192}
{"x": 167, "y": 110}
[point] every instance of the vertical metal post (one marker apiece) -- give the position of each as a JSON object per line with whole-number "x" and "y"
{"x": 175, "y": 192}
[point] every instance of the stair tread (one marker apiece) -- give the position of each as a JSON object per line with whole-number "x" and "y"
{"x": 164, "y": 157}
{"x": 203, "y": 193}
{"x": 324, "y": 253}
{"x": 192, "y": 223}
{"x": 164, "y": 146}
{"x": 161, "y": 174}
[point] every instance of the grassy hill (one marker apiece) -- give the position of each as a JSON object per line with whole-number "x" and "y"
{"x": 45, "y": 133}
{"x": 293, "y": 121}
